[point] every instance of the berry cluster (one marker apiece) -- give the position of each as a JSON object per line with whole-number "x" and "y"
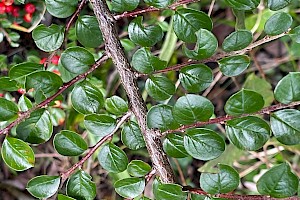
{"x": 26, "y": 11}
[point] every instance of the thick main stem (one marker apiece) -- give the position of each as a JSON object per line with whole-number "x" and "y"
{"x": 115, "y": 51}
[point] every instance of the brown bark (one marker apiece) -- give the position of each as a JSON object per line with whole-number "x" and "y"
{"x": 116, "y": 52}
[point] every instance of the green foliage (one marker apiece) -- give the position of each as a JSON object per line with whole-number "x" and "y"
{"x": 170, "y": 191}
{"x": 243, "y": 4}
{"x": 159, "y": 3}
{"x": 116, "y": 105}
{"x": 278, "y": 23}
{"x": 174, "y": 147}
{"x": 61, "y": 9}
{"x": 124, "y": 5}
{"x": 132, "y": 137}
{"x": 43, "y": 186}
{"x": 237, "y": 40}
{"x": 99, "y": 124}
{"x": 278, "y": 4}
{"x": 160, "y": 87}
{"x": 8, "y": 110}
{"x": 130, "y": 187}
{"x": 234, "y": 65}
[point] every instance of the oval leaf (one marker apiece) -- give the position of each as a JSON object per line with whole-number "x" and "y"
{"x": 20, "y": 71}
{"x": 17, "y": 154}
{"x": 8, "y": 110}
{"x": 124, "y": 5}
{"x": 278, "y": 4}
{"x": 7, "y": 84}
{"x": 159, "y": 3}
{"x": 203, "y": 144}
{"x": 191, "y": 108}
{"x": 237, "y": 40}
{"x": 160, "y": 87}
{"x": 130, "y": 187}
{"x": 234, "y": 65}
{"x": 248, "y": 133}
{"x": 278, "y": 23}
{"x": 174, "y": 147}
{"x": 244, "y": 101}
{"x": 99, "y": 125}
{"x": 61, "y": 9}
{"x": 132, "y": 137}
{"x": 44, "y": 186}
{"x": 116, "y": 105}
{"x": 170, "y": 191}
{"x": 69, "y": 143}
{"x": 138, "y": 168}
{"x": 243, "y": 4}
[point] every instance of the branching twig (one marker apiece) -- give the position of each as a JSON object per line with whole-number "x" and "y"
{"x": 70, "y": 22}
{"x": 67, "y": 173}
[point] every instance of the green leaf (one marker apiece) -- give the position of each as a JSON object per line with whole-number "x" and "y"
{"x": 61, "y": 8}
{"x": 169, "y": 44}
{"x": 124, "y": 5}
{"x": 285, "y": 126}
{"x": 248, "y": 133}
{"x": 205, "y": 47}
{"x": 138, "y": 168}
{"x": 260, "y": 86}
{"x": 196, "y": 78}
{"x": 7, "y": 84}
{"x": 80, "y": 186}
{"x": 64, "y": 197}
{"x": 112, "y": 158}
{"x": 188, "y": 21}
{"x": 288, "y": 88}
{"x": 174, "y": 147}
{"x": 234, "y": 65}
{"x": 88, "y": 32}
{"x": 278, "y": 182}
{"x": 17, "y": 154}
{"x": 278, "y": 4}
{"x": 87, "y": 98}
{"x": 170, "y": 191}
{"x": 77, "y": 60}
{"x": 244, "y": 101}
{"x": 203, "y": 144}
{"x": 160, "y": 87}
{"x": 159, "y": 3}
{"x": 116, "y": 105}
{"x": 295, "y": 34}
{"x": 278, "y": 23}
{"x": 37, "y": 128}
{"x": 144, "y": 36}
{"x": 8, "y": 110}
{"x": 20, "y": 71}
{"x": 160, "y": 116}
{"x": 143, "y": 61}
{"x": 243, "y": 4}
{"x": 48, "y": 38}
{"x": 132, "y": 137}
{"x": 237, "y": 40}
{"x": 100, "y": 125}
{"x": 192, "y": 108}
{"x": 44, "y": 186}
{"x": 130, "y": 187}
{"x": 21, "y": 1}
{"x": 225, "y": 181}
{"x": 69, "y": 143}
{"x": 24, "y": 103}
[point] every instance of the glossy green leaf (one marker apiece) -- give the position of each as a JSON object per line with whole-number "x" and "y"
{"x": 61, "y": 9}
{"x": 44, "y": 186}
{"x": 130, "y": 187}
{"x": 160, "y": 117}
{"x": 243, "y": 4}
{"x": 87, "y": 98}
{"x": 17, "y": 154}
{"x": 225, "y": 181}
{"x": 20, "y": 71}
{"x": 159, "y": 3}
{"x": 80, "y": 186}
{"x": 288, "y": 88}
{"x": 112, "y": 158}
{"x": 248, "y": 133}
{"x": 278, "y": 23}
{"x": 69, "y": 143}
{"x": 174, "y": 147}
{"x": 192, "y": 108}
{"x": 143, "y": 61}
{"x": 48, "y": 38}
{"x": 124, "y": 5}
{"x": 132, "y": 137}
{"x": 205, "y": 47}
{"x": 196, "y": 78}
{"x": 99, "y": 125}
{"x": 170, "y": 191}
{"x": 8, "y": 110}
{"x": 295, "y": 34}
{"x": 285, "y": 126}
{"x": 234, "y": 65}
{"x": 88, "y": 32}
{"x": 77, "y": 60}
{"x": 24, "y": 103}
{"x": 237, "y": 40}
{"x": 203, "y": 144}
{"x": 36, "y": 129}
{"x": 116, "y": 105}
{"x": 7, "y": 84}
{"x": 138, "y": 168}
{"x": 188, "y": 21}
{"x": 278, "y": 182}
{"x": 160, "y": 87}
{"x": 244, "y": 101}
{"x": 278, "y": 4}
{"x": 144, "y": 36}
{"x": 64, "y": 197}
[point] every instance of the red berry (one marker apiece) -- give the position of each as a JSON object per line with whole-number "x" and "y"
{"x": 22, "y": 91}
{"x": 43, "y": 60}
{"x": 9, "y": 9}
{"x": 8, "y": 2}
{"x": 1, "y": 95}
{"x": 29, "y": 8}
{"x": 27, "y": 17}
{"x": 55, "y": 59}
{"x": 2, "y": 8}
{"x": 55, "y": 71}
{"x": 15, "y": 12}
